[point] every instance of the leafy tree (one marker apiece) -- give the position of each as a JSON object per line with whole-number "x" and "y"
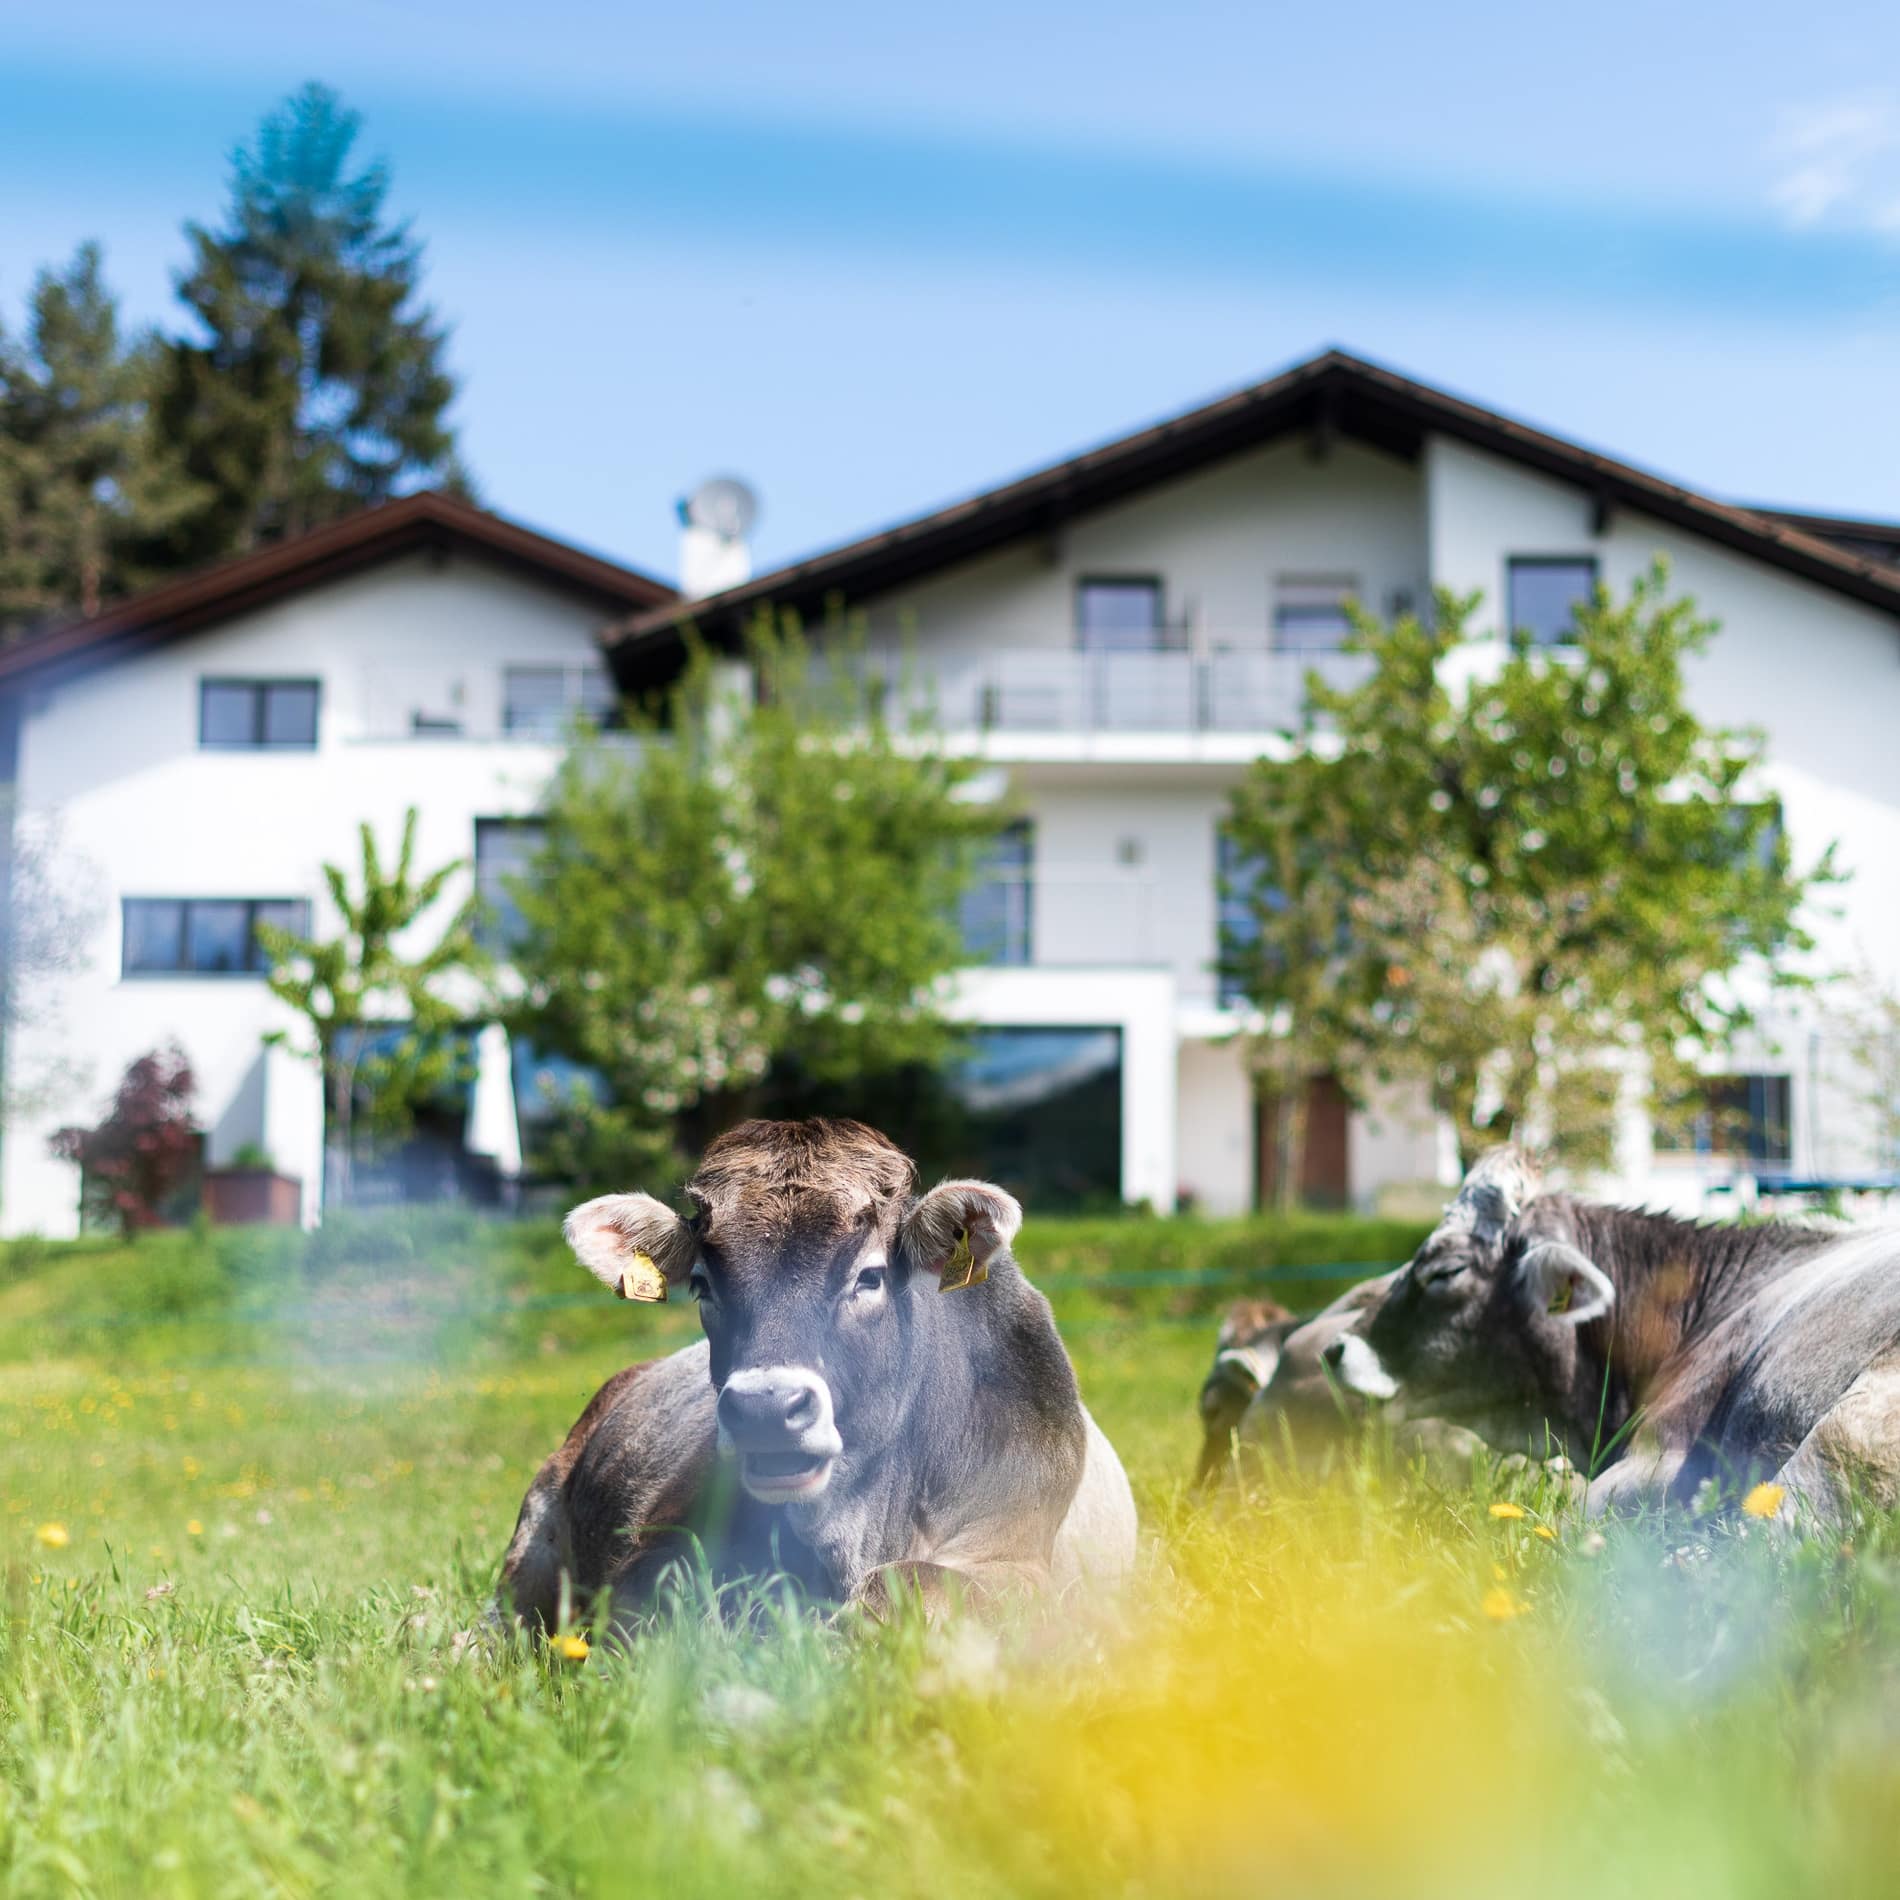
{"x": 317, "y": 384}
{"x": 81, "y": 482}
{"x": 376, "y": 1013}
{"x": 50, "y": 907}
{"x": 748, "y": 894}
{"x": 143, "y": 1154}
{"x": 1523, "y": 892}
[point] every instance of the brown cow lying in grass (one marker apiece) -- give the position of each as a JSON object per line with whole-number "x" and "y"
{"x": 881, "y": 1402}
{"x": 1662, "y": 1354}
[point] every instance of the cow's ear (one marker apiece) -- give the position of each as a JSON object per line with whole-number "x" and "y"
{"x": 632, "y": 1243}
{"x": 1558, "y": 1280}
{"x": 956, "y": 1230}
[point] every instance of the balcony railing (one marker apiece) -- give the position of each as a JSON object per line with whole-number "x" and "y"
{"x": 1060, "y": 690}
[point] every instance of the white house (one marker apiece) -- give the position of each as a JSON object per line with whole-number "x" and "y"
{"x": 204, "y": 749}
{"x": 1118, "y": 635}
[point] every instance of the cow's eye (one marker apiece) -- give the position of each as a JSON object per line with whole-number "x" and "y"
{"x": 869, "y": 1284}
{"x": 699, "y": 1286}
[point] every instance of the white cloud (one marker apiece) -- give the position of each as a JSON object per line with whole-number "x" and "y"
{"x": 1838, "y": 162}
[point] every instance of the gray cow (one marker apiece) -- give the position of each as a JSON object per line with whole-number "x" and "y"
{"x": 880, "y": 1401}
{"x": 1677, "y": 1352}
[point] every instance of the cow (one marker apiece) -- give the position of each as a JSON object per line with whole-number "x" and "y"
{"x": 1246, "y": 1353}
{"x": 1661, "y": 1354}
{"x": 880, "y": 1406}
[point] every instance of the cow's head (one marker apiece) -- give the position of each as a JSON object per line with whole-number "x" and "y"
{"x": 1246, "y": 1352}
{"x": 1305, "y": 1395}
{"x": 807, "y": 1250}
{"x": 1481, "y": 1326}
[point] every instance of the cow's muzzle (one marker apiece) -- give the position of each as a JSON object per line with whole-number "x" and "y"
{"x": 778, "y": 1421}
{"x": 1356, "y": 1365}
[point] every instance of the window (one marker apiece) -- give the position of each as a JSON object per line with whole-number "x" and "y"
{"x": 505, "y": 850}
{"x": 1738, "y": 1118}
{"x": 1239, "y": 884}
{"x": 204, "y": 936}
{"x": 1119, "y": 615}
{"x": 1042, "y": 1113}
{"x": 257, "y": 715}
{"x": 996, "y": 908}
{"x": 1309, "y": 612}
{"x": 541, "y": 702}
{"x": 1544, "y": 593}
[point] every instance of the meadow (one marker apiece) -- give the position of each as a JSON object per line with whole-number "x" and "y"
{"x": 253, "y": 1490}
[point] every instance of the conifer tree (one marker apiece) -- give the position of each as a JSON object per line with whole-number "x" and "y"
{"x": 317, "y": 382}
{"x": 80, "y": 482}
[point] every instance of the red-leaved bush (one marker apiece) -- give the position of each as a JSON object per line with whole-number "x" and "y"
{"x": 144, "y": 1151}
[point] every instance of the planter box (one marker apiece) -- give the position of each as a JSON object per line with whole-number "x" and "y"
{"x": 235, "y": 1196}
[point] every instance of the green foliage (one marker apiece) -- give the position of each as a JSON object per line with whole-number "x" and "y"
{"x": 352, "y": 990}
{"x": 317, "y": 384}
{"x": 1523, "y": 891}
{"x": 744, "y": 889}
{"x": 82, "y": 483}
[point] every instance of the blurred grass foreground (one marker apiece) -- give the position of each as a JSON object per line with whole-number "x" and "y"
{"x": 253, "y": 1487}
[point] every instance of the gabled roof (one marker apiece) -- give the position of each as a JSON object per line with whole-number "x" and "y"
{"x": 1329, "y": 395}
{"x": 415, "y": 523}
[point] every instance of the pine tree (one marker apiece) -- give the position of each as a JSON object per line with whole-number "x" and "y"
{"x": 80, "y": 482}
{"x": 318, "y": 382}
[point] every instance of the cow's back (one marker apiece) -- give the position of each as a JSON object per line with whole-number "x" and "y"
{"x": 1784, "y": 1360}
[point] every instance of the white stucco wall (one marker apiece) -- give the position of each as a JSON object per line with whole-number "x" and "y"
{"x": 1215, "y": 1126}
{"x": 112, "y": 755}
{"x": 1218, "y": 540}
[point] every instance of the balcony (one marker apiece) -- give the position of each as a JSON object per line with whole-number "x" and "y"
{"x": 1061, "y": 690}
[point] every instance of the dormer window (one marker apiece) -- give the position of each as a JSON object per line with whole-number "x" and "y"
{"x": 257, "y": 715}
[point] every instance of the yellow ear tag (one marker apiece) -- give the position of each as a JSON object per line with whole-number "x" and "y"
{"x": 640, "y": 1279}
{"x": 961, "y": 1269}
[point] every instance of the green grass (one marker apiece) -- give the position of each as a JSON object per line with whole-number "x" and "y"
{"x": 286, "y": 1472}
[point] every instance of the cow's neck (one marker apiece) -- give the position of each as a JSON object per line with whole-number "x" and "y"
{"x": 1675, "y": 1280}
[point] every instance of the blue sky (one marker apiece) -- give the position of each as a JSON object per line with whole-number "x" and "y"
{"x": 872, "y": 258}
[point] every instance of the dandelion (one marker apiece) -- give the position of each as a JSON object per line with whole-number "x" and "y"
{"x": 1504, "y": 1509}
{"x": 54, "y": 1536}
{"x": 1545, "y": 1532}
{"x": 1764, "y": 1500}
{"x": 571, "y": 1648}
{"x": 194, "y": 1529}
{"x": 1500, "y": 1605}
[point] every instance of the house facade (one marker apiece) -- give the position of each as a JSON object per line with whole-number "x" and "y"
{"x": 196, "y": 756}
{"x": 1115, "y": 638}
{"x": 1119, "y": 635}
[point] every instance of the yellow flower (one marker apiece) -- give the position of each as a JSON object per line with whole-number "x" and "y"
{"x": 1503, "y": 1509}
{"x": 573, "y": 1648}
{"x": 54, "y": 1536}
{"x": 1500, "y": 1605}
{"x": 1764, "y": 1500}
{"x": 194, "y": 1529}
{"x": 1545, "y": 1532}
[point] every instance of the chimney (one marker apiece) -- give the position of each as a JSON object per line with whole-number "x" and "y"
{"x": 715, "y": 520}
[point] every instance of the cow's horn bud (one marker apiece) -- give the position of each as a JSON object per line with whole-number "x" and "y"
{"x": 1493, "y": 1195}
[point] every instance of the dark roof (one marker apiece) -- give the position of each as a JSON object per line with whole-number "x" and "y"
{"x": 1332, "y": 394}
{"x": 415, "y": 523}
{"x": 1880, "y": 539}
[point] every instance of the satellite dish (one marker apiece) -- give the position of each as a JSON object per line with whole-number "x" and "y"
{"x": 724, "y": 506}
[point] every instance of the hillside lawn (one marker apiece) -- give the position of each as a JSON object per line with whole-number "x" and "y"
{"x": 252, "y": 1489}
